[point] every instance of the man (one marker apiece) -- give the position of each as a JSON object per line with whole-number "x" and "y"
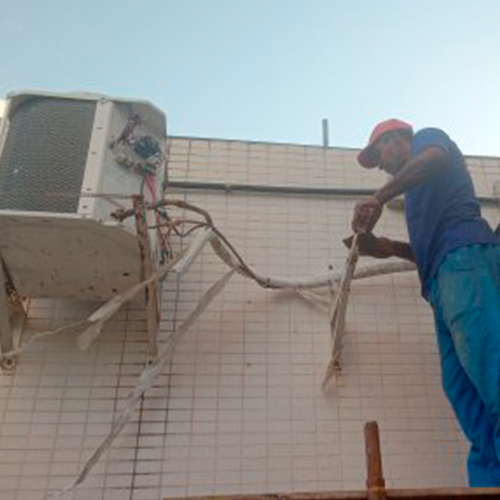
{"x": 458, "y": 261}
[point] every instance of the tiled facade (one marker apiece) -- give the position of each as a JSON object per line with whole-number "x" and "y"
{"x": 240, "y": 409}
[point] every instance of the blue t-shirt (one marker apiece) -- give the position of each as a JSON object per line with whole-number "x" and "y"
{"x": 443, "y": 213}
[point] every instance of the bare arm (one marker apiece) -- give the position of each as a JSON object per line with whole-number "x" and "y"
{"x": 425, "y": 165}
{"x": 419, "y": 169}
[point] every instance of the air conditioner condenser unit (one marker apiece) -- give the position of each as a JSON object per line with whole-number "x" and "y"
{"x": 67, "y": 162}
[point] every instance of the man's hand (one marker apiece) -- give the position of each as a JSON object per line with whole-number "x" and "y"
{"x": 371, "y": 246}
{"x": 381, "y": 248}
{"x": 366, "y": 214}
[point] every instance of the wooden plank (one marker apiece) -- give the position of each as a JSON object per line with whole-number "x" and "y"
{"x": 445, "y": 493}
{"x": 375, "y": 484}
{"x": 395, "y": 494}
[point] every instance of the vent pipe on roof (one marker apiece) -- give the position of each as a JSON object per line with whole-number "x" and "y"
{"x": 326, "y": 141}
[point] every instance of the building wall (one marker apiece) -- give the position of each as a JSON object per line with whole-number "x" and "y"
{"x": 240, "y": 408}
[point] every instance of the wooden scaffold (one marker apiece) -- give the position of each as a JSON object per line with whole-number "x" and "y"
{"x": 375, "y": 484}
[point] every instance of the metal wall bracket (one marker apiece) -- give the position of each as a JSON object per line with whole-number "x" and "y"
{"x": 12, "y": 316}
{"x": 147, "y": 269}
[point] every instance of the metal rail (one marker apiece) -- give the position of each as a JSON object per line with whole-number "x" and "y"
{"x": 267, "y": 189}
{"x": 228, "y": 187}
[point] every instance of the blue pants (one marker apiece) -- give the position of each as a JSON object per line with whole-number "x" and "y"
{"x": 465, "y": 297}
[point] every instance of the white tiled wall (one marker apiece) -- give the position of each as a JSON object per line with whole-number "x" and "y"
{"x": 240, "y": 407}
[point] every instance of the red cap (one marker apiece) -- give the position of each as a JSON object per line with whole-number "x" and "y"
{"x": 368, "y": 157}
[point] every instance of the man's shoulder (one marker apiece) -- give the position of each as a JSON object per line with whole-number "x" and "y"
{"x": 431, "y": 137}
{"x": 430, "y": 132}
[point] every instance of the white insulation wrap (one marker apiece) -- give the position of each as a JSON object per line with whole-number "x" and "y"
{"x": 337, "y": 282}
{"x": 339, "y": 309}
{"x": 199, "y": 242}
{"x": 147, "y": 379}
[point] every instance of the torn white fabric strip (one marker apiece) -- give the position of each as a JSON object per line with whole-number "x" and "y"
{"x": 201, "y": 239}
{"x": 147, "y": 378}
{"x": 37, "y": 336}
{"x": 226, "y": 257}
{"x": 313, "y": 299}
{"x": 101, "y": 315}
{"x": 182, "y": 262}
{"x": 179, "y": 265}
{"x": 339, "y": 309}
{"x": 110, "y": 308}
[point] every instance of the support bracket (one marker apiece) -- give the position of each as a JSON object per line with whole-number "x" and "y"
{"x": 147, "y": 269}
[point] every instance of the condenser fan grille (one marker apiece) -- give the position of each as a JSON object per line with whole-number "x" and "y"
{"x": 43, "y": 160}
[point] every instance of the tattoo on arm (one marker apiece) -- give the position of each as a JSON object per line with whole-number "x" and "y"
{"x": 419, "y": 169}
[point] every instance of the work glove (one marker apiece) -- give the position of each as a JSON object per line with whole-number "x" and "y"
{"x": 371, "y": 246}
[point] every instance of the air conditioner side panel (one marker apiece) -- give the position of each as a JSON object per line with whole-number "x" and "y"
{"x": 107, "y": 184}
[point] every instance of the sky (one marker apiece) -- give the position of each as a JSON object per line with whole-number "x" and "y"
{"x": 270, "y": 70}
